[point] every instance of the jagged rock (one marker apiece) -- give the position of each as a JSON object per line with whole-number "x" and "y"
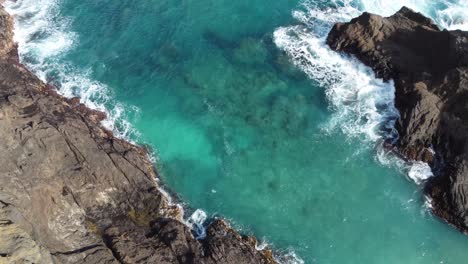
{"x": 72, "y": 193}
{"x": 430, "y": 70}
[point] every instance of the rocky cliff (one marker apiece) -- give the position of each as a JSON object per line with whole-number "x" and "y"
{"x": 430, "y": 70}
{"x": 70, "y": 192}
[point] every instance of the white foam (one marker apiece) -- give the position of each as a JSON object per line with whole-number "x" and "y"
{"x": 449, "y": 14}
{"x": 388, "y": 8}
{"x": 419, "y": 172}
{"x": 261, "y": 246}
{"x": 454, "y": 16}
{"x": 428, "y": 202}
{"x": 44, "y": 38}
{"x": 289, "y": 257}
{"x": 35, "y": 28}
{"x": 362, "y": 104}
{"x": 197, "y": 222}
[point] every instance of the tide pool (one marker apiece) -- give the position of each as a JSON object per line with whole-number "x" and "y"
{"x": 251, "y": 117}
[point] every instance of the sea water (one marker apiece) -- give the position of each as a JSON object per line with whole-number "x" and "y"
{"x": 250, "y": 116}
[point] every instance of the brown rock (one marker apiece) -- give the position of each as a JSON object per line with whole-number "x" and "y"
{"x": 72, "y": 193}
{"x": 430, "y": 70}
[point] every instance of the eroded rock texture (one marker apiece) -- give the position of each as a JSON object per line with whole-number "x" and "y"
{"x": 430, "y": 70}
{"x": 72, "y": 193}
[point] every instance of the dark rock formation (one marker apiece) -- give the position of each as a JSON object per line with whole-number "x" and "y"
{"x": 72, "y": 193}
{"x": 430, "y": 70}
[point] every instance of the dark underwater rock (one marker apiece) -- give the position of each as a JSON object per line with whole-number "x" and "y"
{"x": 430, "y": 70}
{"x": 70, "y": 192}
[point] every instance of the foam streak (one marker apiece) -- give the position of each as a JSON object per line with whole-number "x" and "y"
{"x": 44, "y": 39}
{"x": 363, "y": 105}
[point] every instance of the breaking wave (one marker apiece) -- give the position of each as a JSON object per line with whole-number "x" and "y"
{"x": 363, "y": 105}
{"x": 44, "y": 39}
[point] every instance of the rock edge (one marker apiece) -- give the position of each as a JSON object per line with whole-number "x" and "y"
{"x": 430, "y": 69}
{"x": 70, "y": 192}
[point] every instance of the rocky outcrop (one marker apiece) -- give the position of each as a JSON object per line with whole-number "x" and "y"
{"x": 430, "y": 70}
{"x": 70, "y": 192}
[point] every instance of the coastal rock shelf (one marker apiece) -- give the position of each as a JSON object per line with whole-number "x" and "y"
{"x": 430, "y": 70}
{"x": 221, "y": 100}
{"x": 70, "y": 192}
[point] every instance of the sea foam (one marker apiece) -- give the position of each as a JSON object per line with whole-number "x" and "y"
{"x": 197, "y": 222}
{"x": 363, "y": 105}
{"x": 44, "y": 38}
{"x": 449, "y": 14}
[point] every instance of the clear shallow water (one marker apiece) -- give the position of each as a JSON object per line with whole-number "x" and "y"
{"x": 251, "y": 116}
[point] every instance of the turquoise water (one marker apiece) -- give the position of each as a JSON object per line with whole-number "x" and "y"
{"x": 251, "y": 117}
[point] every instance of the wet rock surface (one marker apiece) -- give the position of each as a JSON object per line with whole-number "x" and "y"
{"x": 430, "y": 69}
{"x": 72, "y": 193}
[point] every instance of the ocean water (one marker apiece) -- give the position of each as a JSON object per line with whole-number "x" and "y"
{"x": 251, "y": 117}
